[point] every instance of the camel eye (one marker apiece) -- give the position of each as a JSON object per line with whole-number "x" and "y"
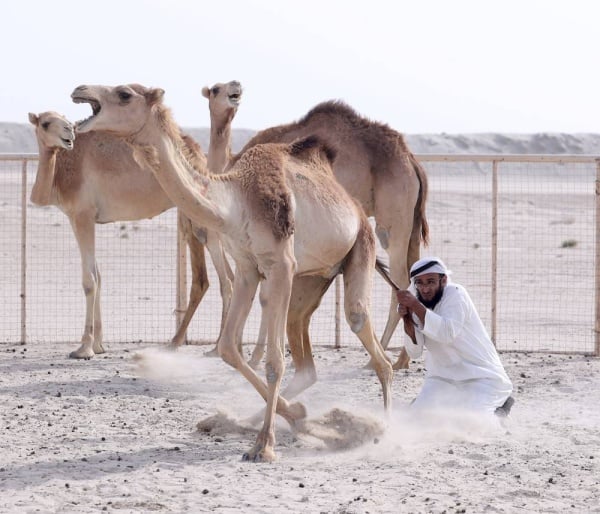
{"x": 45, "y": 125}
{"x": 124, "y": 96}
{"x": 215, "y": 91}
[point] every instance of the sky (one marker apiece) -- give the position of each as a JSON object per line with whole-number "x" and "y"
{"x": 421, "y": 66}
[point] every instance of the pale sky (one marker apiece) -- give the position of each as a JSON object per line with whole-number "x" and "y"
{"x": 422, "y": 66}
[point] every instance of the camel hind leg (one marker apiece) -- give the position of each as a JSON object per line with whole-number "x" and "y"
{"x": 358, "y": 278}
{"x": 414, "y": 252}
{"x": 199, "y": 278}
{"x": 307, "y": 293}
{"x": 398, "y": 230}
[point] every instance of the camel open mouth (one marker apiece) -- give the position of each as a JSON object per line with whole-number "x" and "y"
{"x": 68, "y": 143}
{"x": 235, "y": 98}
{"x": 96, "y": 108}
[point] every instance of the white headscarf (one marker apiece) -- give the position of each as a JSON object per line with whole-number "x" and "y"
{"x": 428, "y": 265}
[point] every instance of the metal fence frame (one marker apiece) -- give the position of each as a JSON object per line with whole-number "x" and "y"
{"x": 494, "y": 159}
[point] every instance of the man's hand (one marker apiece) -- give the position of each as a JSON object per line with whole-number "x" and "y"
{"x": 407, "y": 301}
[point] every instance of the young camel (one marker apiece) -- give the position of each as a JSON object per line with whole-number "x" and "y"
{"x": 376, "y": 167}
{"x": 100, "y": 182}
{"x": 268, "y": 209}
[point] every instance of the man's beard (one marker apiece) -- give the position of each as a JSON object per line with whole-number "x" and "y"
{"x": 430, "y": 304}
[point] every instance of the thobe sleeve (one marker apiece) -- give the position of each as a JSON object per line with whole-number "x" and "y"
{"x": 445, "y": 326}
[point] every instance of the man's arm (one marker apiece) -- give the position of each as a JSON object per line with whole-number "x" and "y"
{"x": 416, "y": 349}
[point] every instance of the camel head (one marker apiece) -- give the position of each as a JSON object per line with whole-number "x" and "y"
{"x": 52, "y": 130}
{"x": 223, "y": 101}
{"x": 122, "y": 110}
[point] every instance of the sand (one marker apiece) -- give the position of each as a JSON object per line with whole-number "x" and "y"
{"x": 121, "y": 432}
{"x": 111, "y": 434}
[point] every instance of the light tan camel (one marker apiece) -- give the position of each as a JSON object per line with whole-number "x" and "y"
{"x": 282, "y": 217}
{"x": 100, "y": 182}
{"x": 375, "y": 166}
{"x": 223, "y": 103}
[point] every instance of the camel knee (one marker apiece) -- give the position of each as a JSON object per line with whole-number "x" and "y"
{"x": 90, "y": 282}
{"x": 274, "y": 371}
{"x": 230, "y": 354}
{"x": 357, "y": 321}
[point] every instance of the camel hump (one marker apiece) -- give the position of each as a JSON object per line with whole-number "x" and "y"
{"x": 312, "y": 143}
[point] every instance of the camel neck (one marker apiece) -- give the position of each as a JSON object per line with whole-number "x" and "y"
{"x": 41, "y": 192}
{"x": 219, "y": 149}
{"x": 189, "y": 189}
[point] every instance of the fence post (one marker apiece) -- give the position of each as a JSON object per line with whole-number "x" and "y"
{"x": 181, "y": 270}
{"x": 597, "y": 264}
{"x": 24, "y": 252}
{"x": 494, "y": 248}
{"x": 338, "y": 309}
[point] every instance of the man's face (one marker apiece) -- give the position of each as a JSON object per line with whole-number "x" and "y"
{"x": 430, "y": 288}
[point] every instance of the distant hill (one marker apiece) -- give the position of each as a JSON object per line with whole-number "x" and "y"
{"x": 19, "y": 138}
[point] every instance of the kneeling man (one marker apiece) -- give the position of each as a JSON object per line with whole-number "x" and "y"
{"x": 463, "y": 369}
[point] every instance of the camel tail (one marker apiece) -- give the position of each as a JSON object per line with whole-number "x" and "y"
{"x": 420, "y": 225}
{"x": 384, "y": 270}
{"x": 300, "y": 146}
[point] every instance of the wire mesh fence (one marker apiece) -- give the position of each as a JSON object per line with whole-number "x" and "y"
{"x": 519, "y": 233}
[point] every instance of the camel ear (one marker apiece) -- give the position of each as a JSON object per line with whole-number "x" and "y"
{"x": 205, "y": 92}
{"x": 155, "y": 96}
{"x": 33, "y": 119}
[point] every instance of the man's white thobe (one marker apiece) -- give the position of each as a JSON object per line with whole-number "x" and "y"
{"x": 463, "y": 369}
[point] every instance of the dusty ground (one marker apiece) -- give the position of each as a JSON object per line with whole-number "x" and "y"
{"x": 108, "y": 435}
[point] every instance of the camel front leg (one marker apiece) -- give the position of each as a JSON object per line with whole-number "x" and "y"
{"x": 244, "y": 288}
{"x": 91, "y": 342}
{"x": 225, "y": 276}
{"x": 276, "y": 290}
{"x": 307, "y": 293}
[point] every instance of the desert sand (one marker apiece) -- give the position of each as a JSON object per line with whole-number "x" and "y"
{"x": 111, "y": 434}
{"x": 140, "y": 430}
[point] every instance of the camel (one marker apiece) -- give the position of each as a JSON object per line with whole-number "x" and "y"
{"x": 376, "y": 167}
{"x": 283, "y": 218}
{"x": 100, "y": 182}
{"x": 223, "y": 103}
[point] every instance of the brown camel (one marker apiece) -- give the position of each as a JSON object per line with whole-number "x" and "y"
{"x": 375, "y": 166}
{"x": 282, "y": 217}
{"x": 100, "y": 182}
